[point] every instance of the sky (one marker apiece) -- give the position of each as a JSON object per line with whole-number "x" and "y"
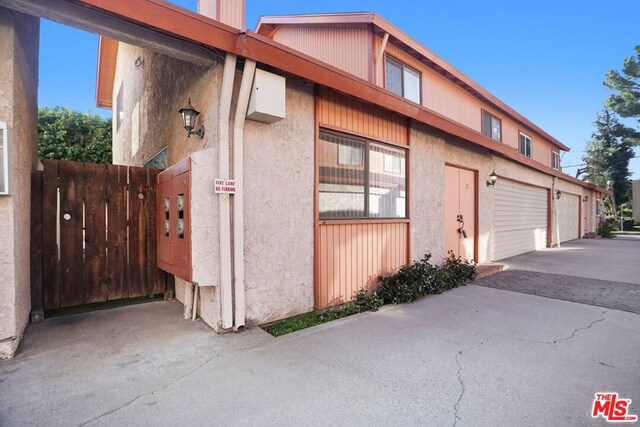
{"x": 545, "y": 58}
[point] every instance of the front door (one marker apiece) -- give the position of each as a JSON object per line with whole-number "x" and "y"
{"x": 460, "y": 212}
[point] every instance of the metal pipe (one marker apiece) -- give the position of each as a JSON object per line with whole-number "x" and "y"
{"x": 238, "y": 198}
{"x": 555, "y": 209}
{"x": 194, "y": 309}
{"x": 224, "y": 110}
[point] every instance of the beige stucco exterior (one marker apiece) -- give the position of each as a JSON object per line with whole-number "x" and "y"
{"x": 19, "y": 42}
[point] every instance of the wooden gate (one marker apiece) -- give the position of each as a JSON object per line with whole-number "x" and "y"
{"x": 93, "y": 235}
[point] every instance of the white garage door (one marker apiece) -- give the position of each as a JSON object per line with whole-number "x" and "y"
{"x": 568, "y": 216}
{"x": 519, "y": 219}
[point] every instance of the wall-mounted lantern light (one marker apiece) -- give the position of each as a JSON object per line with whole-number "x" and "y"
{"x": 189, "y": 117}
{"x": 585, "y": 198}
{"x": 558, "y": 194}
{"x": 492, "y": 179}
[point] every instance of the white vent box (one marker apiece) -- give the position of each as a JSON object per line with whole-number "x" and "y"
{"x": 267, "y": 101}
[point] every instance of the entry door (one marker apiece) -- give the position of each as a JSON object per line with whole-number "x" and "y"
{"x": 460, "y": 211}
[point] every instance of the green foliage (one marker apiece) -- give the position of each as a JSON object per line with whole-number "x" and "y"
{"x": 421, "y": 278}
{"x": 607, "y": 155}
{"x": 607, "y": 226}
{"x": 408, "y": 284}
{"x": 368, "y": 301}
{"x": 64, "y": 134}
{"x": 314, "y": 318}
{"x": 626, "y": 102}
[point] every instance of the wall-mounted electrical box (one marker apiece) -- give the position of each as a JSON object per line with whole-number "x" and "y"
{"x": 267, "y": 101}
{"x": 174, "y": 220}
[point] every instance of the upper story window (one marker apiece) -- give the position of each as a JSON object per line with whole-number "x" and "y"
{"x": 402, "y": 80}
{"x": 524, "y": 144}
{"x": 491, "y": 126}
{"x": 555, "y": 160}
{"x": 368, "y": 182}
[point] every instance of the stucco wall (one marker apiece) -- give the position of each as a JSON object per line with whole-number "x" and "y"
{"x": 279, "y": 211}
{"x": 19, "y": 47}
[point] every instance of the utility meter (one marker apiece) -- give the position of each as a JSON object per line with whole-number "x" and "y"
{"x": 166, "y": 227}
{"x": 165, "y": 204}
{"x": 180, "y": 203}
{"x": 180, "y": 228}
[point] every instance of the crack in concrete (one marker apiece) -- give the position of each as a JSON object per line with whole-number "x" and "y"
{"x": 169, "y": 384}
{"x": 575, "y": 331}
{"x": 456, "y": 415}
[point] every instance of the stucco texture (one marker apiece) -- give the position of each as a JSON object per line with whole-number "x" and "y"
{"x": 19, "y": 47}
{"x": 279, "y": 210}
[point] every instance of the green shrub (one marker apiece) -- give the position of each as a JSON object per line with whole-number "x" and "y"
{"x": 421, "y": 278}
{"x": 605, "y": 229}
{"x": 368, "y": 301}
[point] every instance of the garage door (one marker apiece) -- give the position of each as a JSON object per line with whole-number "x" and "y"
{"x": 520, "y": 219}
{"x": 568, "y": 216}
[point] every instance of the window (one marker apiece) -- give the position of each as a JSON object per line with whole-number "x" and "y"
{"x": 4, "y": 159}
{"x": 360, "y": 178}
{"x": 119, "y": 108}
{"x": 491, "y": 126}
{"x": 525, "y": 145}
{"x": 555, "y": 160}
{"x": 158, "y": 161}
{"x": 402, "y": 80}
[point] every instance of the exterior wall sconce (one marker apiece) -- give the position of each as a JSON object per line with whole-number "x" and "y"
{"x": 558, "y": 194}
{"x": 189, "y": 117}
{"x": 493, "y": 178}
{"x": 585, "y": 198}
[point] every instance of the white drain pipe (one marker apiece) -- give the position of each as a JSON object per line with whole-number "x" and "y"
{"x": 555, "y": 209}
{"x": 224, "y": 110}
{"x": 238, "y": 198}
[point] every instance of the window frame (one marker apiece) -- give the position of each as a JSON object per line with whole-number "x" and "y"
{"x": 403, "y": 66}
{"x": 367, "y": 177}
{"x": 153, "y": 158}
{"x": 482, "y": 129}
{"x": 4, "y": 130}
{"x": 530, "y": 139}
{"x": 555, "y": 160}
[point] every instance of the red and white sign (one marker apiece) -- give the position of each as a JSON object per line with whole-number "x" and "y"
{"x": 612, "y": 408}
{"x": 225, "y": 186}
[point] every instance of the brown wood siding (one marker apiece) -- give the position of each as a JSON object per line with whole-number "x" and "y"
{"x": 347, "y": 114}
{"x": 320, "y": 43}
{"x": 353, "y": 255}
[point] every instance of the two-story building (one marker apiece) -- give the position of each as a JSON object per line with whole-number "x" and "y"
{"x": 381, "y": 152}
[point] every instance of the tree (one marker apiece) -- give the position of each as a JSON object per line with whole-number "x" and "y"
{"x": 607, "y": 155}
{"x": 64, "y": 134}
{"x": 627, "y": 101}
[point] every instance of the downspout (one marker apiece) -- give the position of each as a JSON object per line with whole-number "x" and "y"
{"x": 238, "y": 198}
{"x": 224, "y": 110}
{"x": 555, "y": 210}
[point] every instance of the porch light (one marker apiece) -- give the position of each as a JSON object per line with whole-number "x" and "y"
{"x": 189, "y": 117}
{"x": 558, "y": 194}
{"x": 493, "y": 178}
{"x": 585, "y": 198}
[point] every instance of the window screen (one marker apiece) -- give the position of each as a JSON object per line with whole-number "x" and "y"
{"x": 491, "y": 126}
{"x": 525, "y": 145}
{"x": 360, "y": 178}
{"x": 393, "y": 76}
{"x": 402, "y": 80}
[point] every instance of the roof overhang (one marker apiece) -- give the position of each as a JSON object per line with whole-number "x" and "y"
{"x": 107, "y": 55}
{"x": 399, "y": 38}
{"x": 180, "y": 24}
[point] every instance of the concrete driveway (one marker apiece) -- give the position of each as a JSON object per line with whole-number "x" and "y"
{"x": 473, "y": 356}
{"x": 601, "y": 272}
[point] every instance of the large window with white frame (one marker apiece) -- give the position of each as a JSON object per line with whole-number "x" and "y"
{"x": 4, "y": 159}
{"x": 401, "y": 79}
{"x": 360, "y": 178}
{"x": 491, "y": 126}
{"x": 524, "y": 144}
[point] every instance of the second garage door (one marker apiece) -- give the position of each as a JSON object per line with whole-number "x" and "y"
{"x": 520, "y": 219}
{"x": 568, "y": 216}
